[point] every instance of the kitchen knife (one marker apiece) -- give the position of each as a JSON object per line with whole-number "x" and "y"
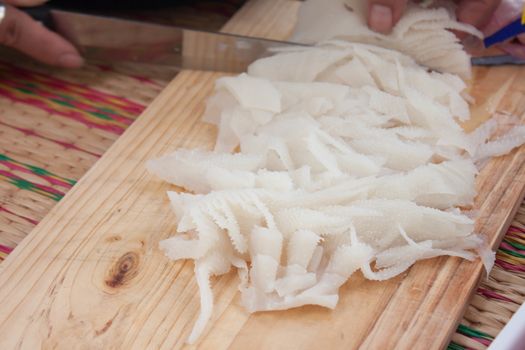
{"x": 114, "y": 40}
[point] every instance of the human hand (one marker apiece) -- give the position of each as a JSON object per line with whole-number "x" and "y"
{"x": 21, "y": 32}
{"x": 507, "y": 12}
{"x": 384, "y": 14}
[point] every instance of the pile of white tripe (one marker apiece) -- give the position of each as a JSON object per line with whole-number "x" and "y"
{"x": 331, "y": 159}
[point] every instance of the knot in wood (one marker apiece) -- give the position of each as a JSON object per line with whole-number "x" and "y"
{"x": 123, "y": 270}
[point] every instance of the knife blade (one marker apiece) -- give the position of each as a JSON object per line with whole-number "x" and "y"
{"x": 115, "y": 40}
{"x": 498, "y": 60}
{"x": 120, "y": 40}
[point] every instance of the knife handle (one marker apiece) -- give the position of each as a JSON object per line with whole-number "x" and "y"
{"x": 41, "y": 13}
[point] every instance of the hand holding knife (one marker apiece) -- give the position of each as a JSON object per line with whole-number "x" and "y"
{"x": 23, "y": 33}
{"x": 115, "y": 40}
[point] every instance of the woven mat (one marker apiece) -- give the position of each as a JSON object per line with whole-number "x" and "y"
{"x": 55, "y": 124}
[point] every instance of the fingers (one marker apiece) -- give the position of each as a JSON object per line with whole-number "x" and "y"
{"x": 476, "y": 12}
{"x": 384, "y": 14}
{"x": 22, "y": 33}
{"x": 515, "y": 50}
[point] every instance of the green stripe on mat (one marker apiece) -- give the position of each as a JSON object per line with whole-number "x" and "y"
{"x": 454, "y": 346}
{"x": 470, "y": 332}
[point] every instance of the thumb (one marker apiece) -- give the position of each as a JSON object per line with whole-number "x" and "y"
{"x": 382, "y": 15}
{"x": 22, "y": 33}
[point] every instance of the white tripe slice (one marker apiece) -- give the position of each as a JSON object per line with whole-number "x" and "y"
{"x": 266, "y": 242}
{"x": 442, "y": 88}
{"x": 252, "y": 303}
{"x": 224, "y": 216}
{"x": 345, "y": 260}
{"x": 296, "y": 95}
{"x": 233, "y": 211}
{"x": 399, "y": 155}
{"x": 420, "y": 250}
{"x": 189, "y": 168}
{"x": 422, "y": 223}
{"x": 308, "y": 181}
{"x": 227, "y": 140}
{"x": 412, "y": 133}
{"x": 284, "y": 146}
{"x": 381, "y": 70}
{"x": 347, "y": 254}
{"x": 237, "y": 122}
{"x": 296, "y": 279}
{"x": 301, "y": 247}
{"x": 481, "y": 135}
{"x": 353, "y": 73}
{"x": 348, "y": 159}
{"x": 389, "y": 56}
{"x": 337, "y": 194}
{"x": 395, "y": 260}
{"x": 395, "y": 107}
{"x": 274, "y": 180}
{"x": 265, "y": 252}
{"x": 223, "y": 179}
{"x": 263, "y": 273}
{"x": 289, "y": 220}
{"x": 502, "y": 145}
{"x": 441, "y": 186}
{"x": 323, "y": 153}
{"x": 214, "y": 264}
{"x": 302, "y": 66}
{"x": 252, "y": 92}
{"x": 436, "y": 118}
{"x": 218, "y": 102}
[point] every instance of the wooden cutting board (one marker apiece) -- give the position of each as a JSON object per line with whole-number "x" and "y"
{"x": 91, "y": 275}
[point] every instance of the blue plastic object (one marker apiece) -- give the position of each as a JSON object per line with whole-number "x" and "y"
{"x": 505, "y": 33}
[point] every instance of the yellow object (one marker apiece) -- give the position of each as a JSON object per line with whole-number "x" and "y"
{"x": 523, "y": 16}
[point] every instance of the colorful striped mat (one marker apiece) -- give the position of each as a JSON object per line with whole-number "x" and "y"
{"x": 55, "y": 124}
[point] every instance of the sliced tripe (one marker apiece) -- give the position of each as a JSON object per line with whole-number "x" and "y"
{"x": 214, "y": 264}
{"x": 502, "y": 145}
{"x": 302, "y": 66}
{"x": 252, "y": 92}
{"x": 331, "y": 159}
{"x": 187, "y": 168}
{"x": 321, "y": 20}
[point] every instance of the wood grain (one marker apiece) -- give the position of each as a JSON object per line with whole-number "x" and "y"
{"x": 91, "y": 276}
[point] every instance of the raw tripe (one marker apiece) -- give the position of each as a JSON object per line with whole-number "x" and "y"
{"x": 420, "y": 32}
{"x": 331, "y": 159}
